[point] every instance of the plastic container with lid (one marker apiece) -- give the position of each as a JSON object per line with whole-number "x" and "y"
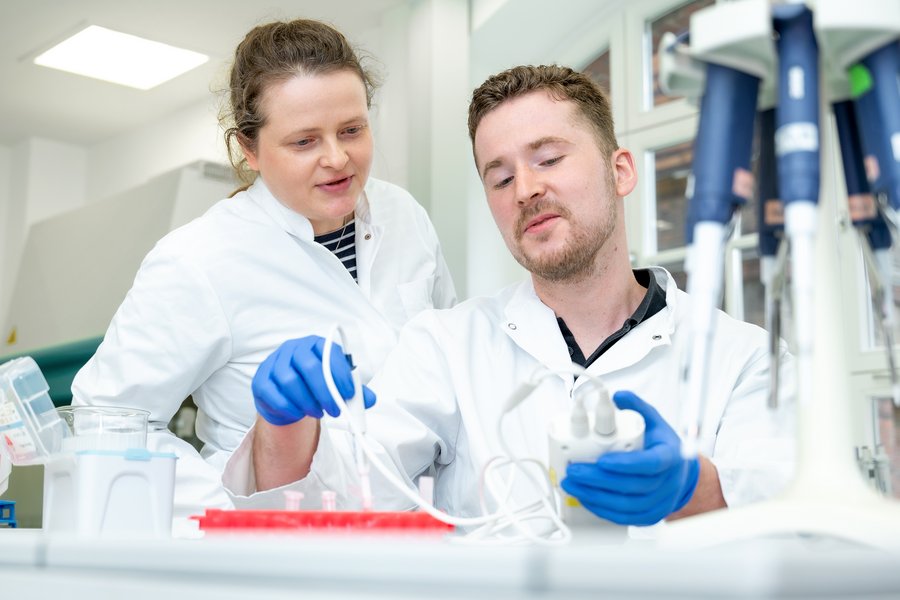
{"x": 30, "y": 428}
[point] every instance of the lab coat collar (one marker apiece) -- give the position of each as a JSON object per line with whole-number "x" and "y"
{"x": 293, "y": 222}
{"x": 532, "y": 325}
{"x": 368, "y": 237}
{"x": 647, "y": 335}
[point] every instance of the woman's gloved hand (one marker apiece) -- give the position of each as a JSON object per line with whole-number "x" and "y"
{"x": 290, "y": 384}
{"x": 640, "y": 487}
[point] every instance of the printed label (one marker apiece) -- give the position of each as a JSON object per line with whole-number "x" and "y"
{"x": 862, "y": 207}
{"x": 796, "y": 83}
{"x": 872, "y": 170}
{"x": 796, "y": 137}
{"x": 773, "y": 213}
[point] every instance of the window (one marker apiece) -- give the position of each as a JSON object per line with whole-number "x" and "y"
{"x": 885, "y": 474}
{"x": 675, "y": 21}
{"x": 598, "y": 70}
{"x": 672, "y": 167}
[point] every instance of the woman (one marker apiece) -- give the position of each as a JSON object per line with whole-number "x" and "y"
{"x": 310, "y": 242}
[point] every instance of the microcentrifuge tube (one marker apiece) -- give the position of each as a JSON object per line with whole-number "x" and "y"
{"x": 329, "y": 500}
{"x": 292, "y": 499}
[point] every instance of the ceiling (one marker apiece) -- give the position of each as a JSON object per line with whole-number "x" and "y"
{"x": 41, "y": 102}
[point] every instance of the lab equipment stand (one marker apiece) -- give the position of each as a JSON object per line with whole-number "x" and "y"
{"x": 802, "y": 55}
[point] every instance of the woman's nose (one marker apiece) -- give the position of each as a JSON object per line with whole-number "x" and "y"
{"x": 334, "y": 156}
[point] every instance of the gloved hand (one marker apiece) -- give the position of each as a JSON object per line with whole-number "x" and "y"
{"x": 290, "y": 384}
{"x": 640, "y": 487}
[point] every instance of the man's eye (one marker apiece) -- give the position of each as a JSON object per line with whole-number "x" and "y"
{"x": 503, "y": 183}
{"x": 304, "y": 142}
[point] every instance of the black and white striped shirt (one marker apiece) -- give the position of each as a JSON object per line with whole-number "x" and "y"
{"x": 342, "y": 243}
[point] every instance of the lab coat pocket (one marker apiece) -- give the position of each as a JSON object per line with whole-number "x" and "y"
{"x": 416, "y": 295}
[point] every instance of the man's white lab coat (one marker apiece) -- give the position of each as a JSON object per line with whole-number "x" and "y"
{"x": 442, "y": 392}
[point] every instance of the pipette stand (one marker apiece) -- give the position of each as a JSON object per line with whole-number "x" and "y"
{"x": 828, "y": 498}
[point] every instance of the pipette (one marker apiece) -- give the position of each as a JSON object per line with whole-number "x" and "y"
{"x": 357, "y": 413}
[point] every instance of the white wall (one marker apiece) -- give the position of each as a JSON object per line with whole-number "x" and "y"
{"x": 421, "y": 142}
{"x": 45, "y": 178}
{"x": 124, "y": 162}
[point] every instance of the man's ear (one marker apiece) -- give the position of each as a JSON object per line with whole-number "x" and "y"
{"x": 624, "y": 171}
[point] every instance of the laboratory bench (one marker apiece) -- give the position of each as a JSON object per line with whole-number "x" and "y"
{"x": 339, "y": 565}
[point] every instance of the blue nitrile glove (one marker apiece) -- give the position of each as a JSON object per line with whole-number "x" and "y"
{"x": 290, "y": 385}
{"x": 640, "y": 487}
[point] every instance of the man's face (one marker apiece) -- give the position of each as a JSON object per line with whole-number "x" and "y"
{"x": 551, "y": 191}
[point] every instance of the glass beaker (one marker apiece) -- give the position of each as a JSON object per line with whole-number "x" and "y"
{"x": 104, "y": 428}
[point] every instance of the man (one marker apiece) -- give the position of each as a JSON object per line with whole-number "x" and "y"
{"x": 555, "y": 181}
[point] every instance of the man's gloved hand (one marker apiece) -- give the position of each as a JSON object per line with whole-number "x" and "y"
{"x": 640, "y": 487}
{"x": 290, "y": 384}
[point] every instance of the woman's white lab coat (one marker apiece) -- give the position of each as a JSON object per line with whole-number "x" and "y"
{"x": 217, "y": 296}
{"x": 453, "y": 371}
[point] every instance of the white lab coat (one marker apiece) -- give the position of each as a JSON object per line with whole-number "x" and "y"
{"x": 214, "y": 298}
{"x": 441, "y": 392}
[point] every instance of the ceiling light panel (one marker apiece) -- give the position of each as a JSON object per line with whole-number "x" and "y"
{"x": 120, "y": 58}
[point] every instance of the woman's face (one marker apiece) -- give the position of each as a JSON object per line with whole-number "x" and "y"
{"x": 315, "y": 150}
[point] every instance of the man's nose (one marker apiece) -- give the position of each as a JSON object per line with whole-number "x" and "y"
{"x": 529, "y": 186}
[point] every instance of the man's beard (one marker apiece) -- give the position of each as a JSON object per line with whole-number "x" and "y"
{"x": 575, "y": 260}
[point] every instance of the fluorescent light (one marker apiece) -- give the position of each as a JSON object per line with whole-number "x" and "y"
{"x": 120, "y": 58}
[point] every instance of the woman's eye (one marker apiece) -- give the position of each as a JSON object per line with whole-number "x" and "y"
{"x": 355, "y": 130}
{"x": 552, "y": 161}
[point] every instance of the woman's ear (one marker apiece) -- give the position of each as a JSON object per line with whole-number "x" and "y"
{"x": 624, "y": 171}
{"x": 249, "y": 153}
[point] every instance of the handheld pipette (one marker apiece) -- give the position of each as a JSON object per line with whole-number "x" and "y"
{"x": 357, "y": 413}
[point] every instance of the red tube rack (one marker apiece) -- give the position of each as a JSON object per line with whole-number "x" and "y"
{"x": 320, "y": 520}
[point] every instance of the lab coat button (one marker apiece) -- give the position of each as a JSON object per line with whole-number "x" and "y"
{"x": 657, "y": 337}
{"x": 511, "y": 326}
{"x": 368, "y": 236}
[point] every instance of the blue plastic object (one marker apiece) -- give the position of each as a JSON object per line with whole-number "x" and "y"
{"x": 876, "y": 228}
{"x": 728, "y": 104}
{"x": 7, "y": 514}
{"x": 770, "y": 228}
{"x": 879, "y": 115}
{"x": 797, "y": 116}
